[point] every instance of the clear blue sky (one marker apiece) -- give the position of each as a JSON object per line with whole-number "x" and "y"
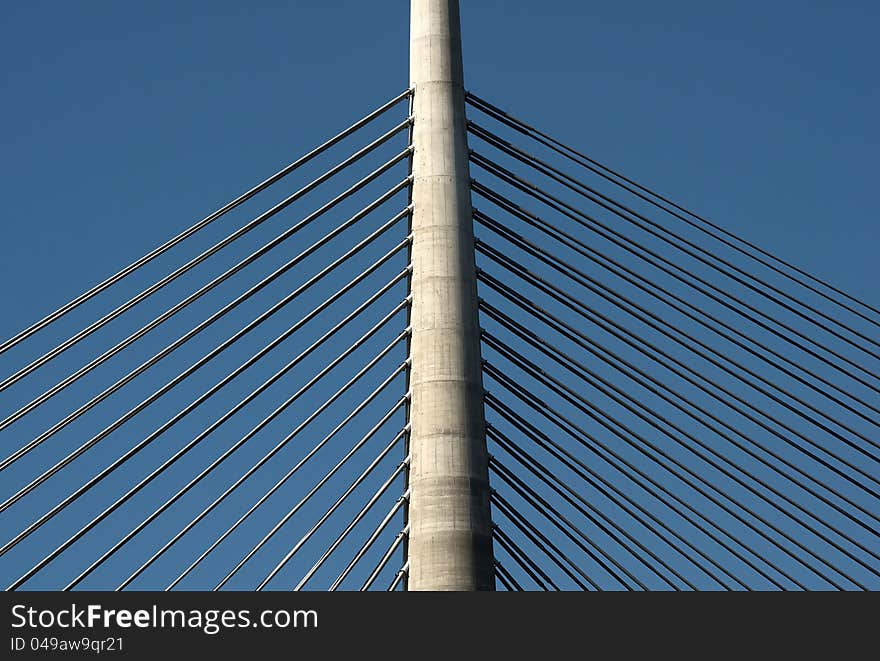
{"x": 123, "y": 123}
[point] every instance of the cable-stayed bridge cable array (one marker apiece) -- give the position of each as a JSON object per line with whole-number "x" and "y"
{"x": 668, "y": 406}
{"x": 136, "y": 480}
{"x": 661, "y": 393}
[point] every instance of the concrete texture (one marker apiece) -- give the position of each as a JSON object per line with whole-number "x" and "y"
{"x": 450, "y": 543}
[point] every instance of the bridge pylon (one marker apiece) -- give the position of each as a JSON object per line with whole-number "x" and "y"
{"x": 450, "y": 540}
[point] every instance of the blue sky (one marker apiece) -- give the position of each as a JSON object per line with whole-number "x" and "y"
{"x": 126, "y": 116}
{"x": 123, "y": 123}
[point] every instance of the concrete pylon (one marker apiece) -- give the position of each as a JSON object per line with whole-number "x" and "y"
{"x": 450, "y": 541}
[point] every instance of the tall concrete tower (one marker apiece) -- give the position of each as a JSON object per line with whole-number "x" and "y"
{"x": 450, "y": 541}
